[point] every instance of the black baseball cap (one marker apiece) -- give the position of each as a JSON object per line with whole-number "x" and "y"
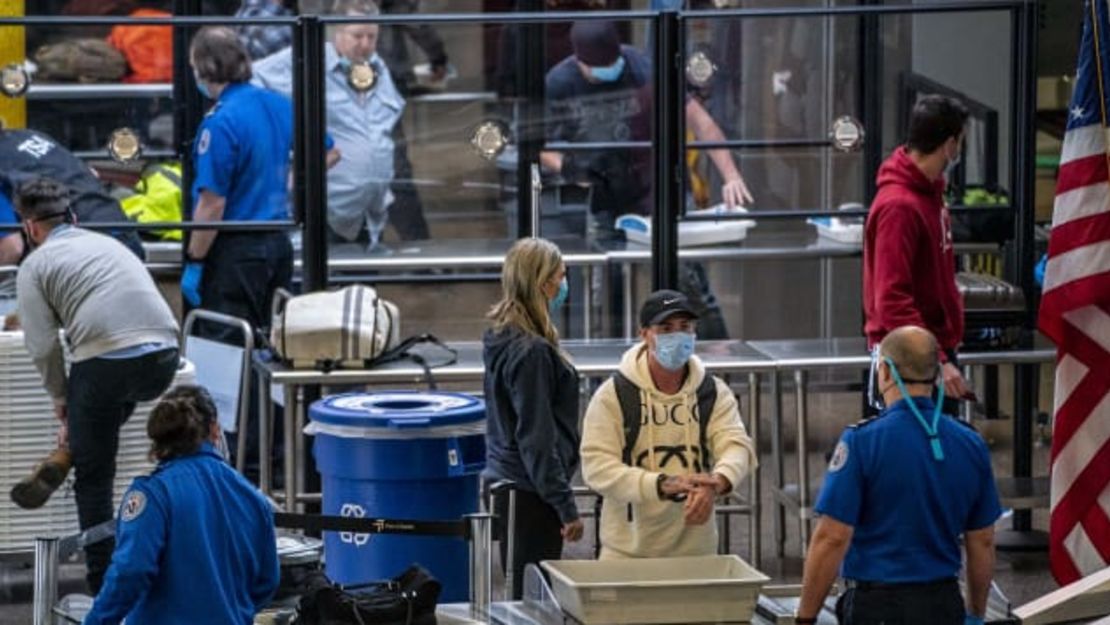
{"x": 596, "y": 43}
{"x": 662, "y": 304}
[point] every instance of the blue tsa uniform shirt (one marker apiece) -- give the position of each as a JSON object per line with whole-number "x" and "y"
{"x": 908, "y": 508}
{"x": 242, "y": 153}
{"x": 195, "y": 544}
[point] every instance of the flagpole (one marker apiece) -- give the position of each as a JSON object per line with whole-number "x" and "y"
{"x": 1101, "y": 81}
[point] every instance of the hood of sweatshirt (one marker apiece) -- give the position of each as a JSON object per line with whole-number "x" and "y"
{"x": 900, "y": 170}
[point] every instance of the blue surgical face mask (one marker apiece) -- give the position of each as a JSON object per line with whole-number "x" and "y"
{"x": 202, "y": 86}
{"x": 560, "y": 296}
{"x": 611, "y": 73}
{"x": 673, "y": 350}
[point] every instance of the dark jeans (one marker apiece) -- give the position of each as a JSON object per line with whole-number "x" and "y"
{"x": 407, "y": 212}
{"x": 241, "y": 273}
{"x": 100, "y": 398}
{"x": 931, "y": 603}
{"x": 537, "y": 537}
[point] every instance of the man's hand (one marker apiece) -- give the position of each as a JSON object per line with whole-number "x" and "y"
{"x": 699, "y": 505}
{"x": 719, "y": 483}
{"x": 675, "y": 485}
{"x": 572, "y": 532}
{"x": 332, "y": 157}
{"x": 954, "y": 384}
{"x": 735, "y": 193}
{"x": 62, "y": 415}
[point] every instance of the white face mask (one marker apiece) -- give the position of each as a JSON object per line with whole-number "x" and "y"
{"x": 953, "y": 161}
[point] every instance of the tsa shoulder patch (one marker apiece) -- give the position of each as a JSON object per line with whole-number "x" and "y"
{"x": 839, "y": 457}
{"x": 204, "y": 141}
{"x": 134, "y": 503}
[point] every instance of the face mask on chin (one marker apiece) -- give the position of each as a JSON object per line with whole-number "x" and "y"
{"x": 610, "y": 73}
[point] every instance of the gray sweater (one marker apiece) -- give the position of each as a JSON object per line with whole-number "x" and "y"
{"x": 95, "y": 289}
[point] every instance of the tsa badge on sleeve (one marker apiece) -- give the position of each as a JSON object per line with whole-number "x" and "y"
{"x": 202, "y": 143}
{"x": 133, "y": 505}
{"x": 839, "y": 457}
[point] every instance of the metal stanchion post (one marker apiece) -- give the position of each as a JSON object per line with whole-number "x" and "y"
{"x": 510, "y": 549}
{"x": 46, "y": 579}
{"x": 537, "y": 197}
{"x": 481, "y": 565}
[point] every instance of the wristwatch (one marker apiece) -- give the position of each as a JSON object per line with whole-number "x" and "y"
{"x": 804, "y": 620}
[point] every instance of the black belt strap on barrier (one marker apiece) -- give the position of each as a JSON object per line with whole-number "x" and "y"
{"x": 363, "y": 525}
{"x": 97, "y": 533}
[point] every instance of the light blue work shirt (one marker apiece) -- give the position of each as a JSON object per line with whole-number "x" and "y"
{"x": 362, "y": 126}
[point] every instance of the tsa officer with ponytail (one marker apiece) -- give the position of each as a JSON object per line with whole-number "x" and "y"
{"x": 195, "y": 539}
{"x": 531, "y": 392}
{"x": 241, "y": 160}
{"x": 900, "y": 491}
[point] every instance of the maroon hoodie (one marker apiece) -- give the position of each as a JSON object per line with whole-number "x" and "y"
{"x": 909, "y": 269}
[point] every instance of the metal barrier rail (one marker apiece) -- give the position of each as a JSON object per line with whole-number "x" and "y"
{"x": 476, "y": 529}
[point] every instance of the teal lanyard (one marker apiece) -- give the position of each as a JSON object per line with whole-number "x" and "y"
{"x": 930, "y": 428}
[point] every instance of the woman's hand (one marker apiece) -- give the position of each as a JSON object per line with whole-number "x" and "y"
{"x": 572, "y": 531}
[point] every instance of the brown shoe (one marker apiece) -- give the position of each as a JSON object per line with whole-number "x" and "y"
{"x": 34, "y": 490}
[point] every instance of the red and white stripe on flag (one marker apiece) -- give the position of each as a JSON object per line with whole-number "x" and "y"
{"x": 1075, "y": 314}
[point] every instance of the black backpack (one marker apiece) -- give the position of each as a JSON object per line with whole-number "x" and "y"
{"x": 408, "y": 599}
{"x": 628, "y": 394}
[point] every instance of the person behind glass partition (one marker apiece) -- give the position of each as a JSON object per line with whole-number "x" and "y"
{"x": 603, "y": 93}
{"x": 27, "y": 154}
{"x": 361, "y": 122}
{"x": 531, "y": 391}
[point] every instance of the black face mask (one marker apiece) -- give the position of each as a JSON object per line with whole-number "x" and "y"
{"x": 29, "y": 244}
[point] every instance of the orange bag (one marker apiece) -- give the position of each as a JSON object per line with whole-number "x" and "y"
{"x": 149, "y": 49}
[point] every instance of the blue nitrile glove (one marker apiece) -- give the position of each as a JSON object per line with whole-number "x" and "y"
{"x": 190, "y": 282}
{"x": 1038, "y": 270}
{"x": 971, "y": 619}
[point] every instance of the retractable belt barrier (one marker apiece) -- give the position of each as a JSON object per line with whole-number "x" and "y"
{"x": 476, "y": 529}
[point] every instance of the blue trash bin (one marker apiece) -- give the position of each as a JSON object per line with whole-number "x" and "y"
{"x": 399, "y": 455}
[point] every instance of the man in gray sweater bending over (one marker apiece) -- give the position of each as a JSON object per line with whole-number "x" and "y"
{"x": 121, "y": 334}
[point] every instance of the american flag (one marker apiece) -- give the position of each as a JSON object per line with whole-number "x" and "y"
{"x": 1075, "y": 314}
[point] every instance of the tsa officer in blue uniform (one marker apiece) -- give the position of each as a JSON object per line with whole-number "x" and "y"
{"x": 195, "y": 539}
{"x": 241, "y": 158}
{"x": 900, "y": 491}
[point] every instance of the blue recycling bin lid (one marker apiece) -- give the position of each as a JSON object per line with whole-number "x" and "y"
{"x": 398, "y": 410}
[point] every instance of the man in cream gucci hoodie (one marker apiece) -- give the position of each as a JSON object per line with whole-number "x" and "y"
{"x": 661, "y": 504}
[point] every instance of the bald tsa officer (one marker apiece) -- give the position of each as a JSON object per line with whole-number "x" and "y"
{"x": 900, "y": 491}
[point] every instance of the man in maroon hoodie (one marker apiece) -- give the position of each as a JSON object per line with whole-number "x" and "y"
{"x": 909, "y": 269}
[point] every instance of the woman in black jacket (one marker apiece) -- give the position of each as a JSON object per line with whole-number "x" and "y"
{"x": 532, "y": 401}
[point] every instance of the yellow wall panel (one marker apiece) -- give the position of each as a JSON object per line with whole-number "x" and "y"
{"x": 13, "y": 111}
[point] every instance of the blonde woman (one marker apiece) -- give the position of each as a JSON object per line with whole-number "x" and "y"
{"x": 532, "y": 401}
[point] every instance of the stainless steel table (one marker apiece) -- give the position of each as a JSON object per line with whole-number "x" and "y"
{"x": 799, "y": 357}
{"x": 594, "y": 359}
{"x": 759, "y": 245}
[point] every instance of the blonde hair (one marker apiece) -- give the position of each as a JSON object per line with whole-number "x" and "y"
{"x": 529, "y": 265}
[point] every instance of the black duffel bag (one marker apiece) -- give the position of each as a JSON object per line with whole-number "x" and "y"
{"x": 408, "y": 599}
